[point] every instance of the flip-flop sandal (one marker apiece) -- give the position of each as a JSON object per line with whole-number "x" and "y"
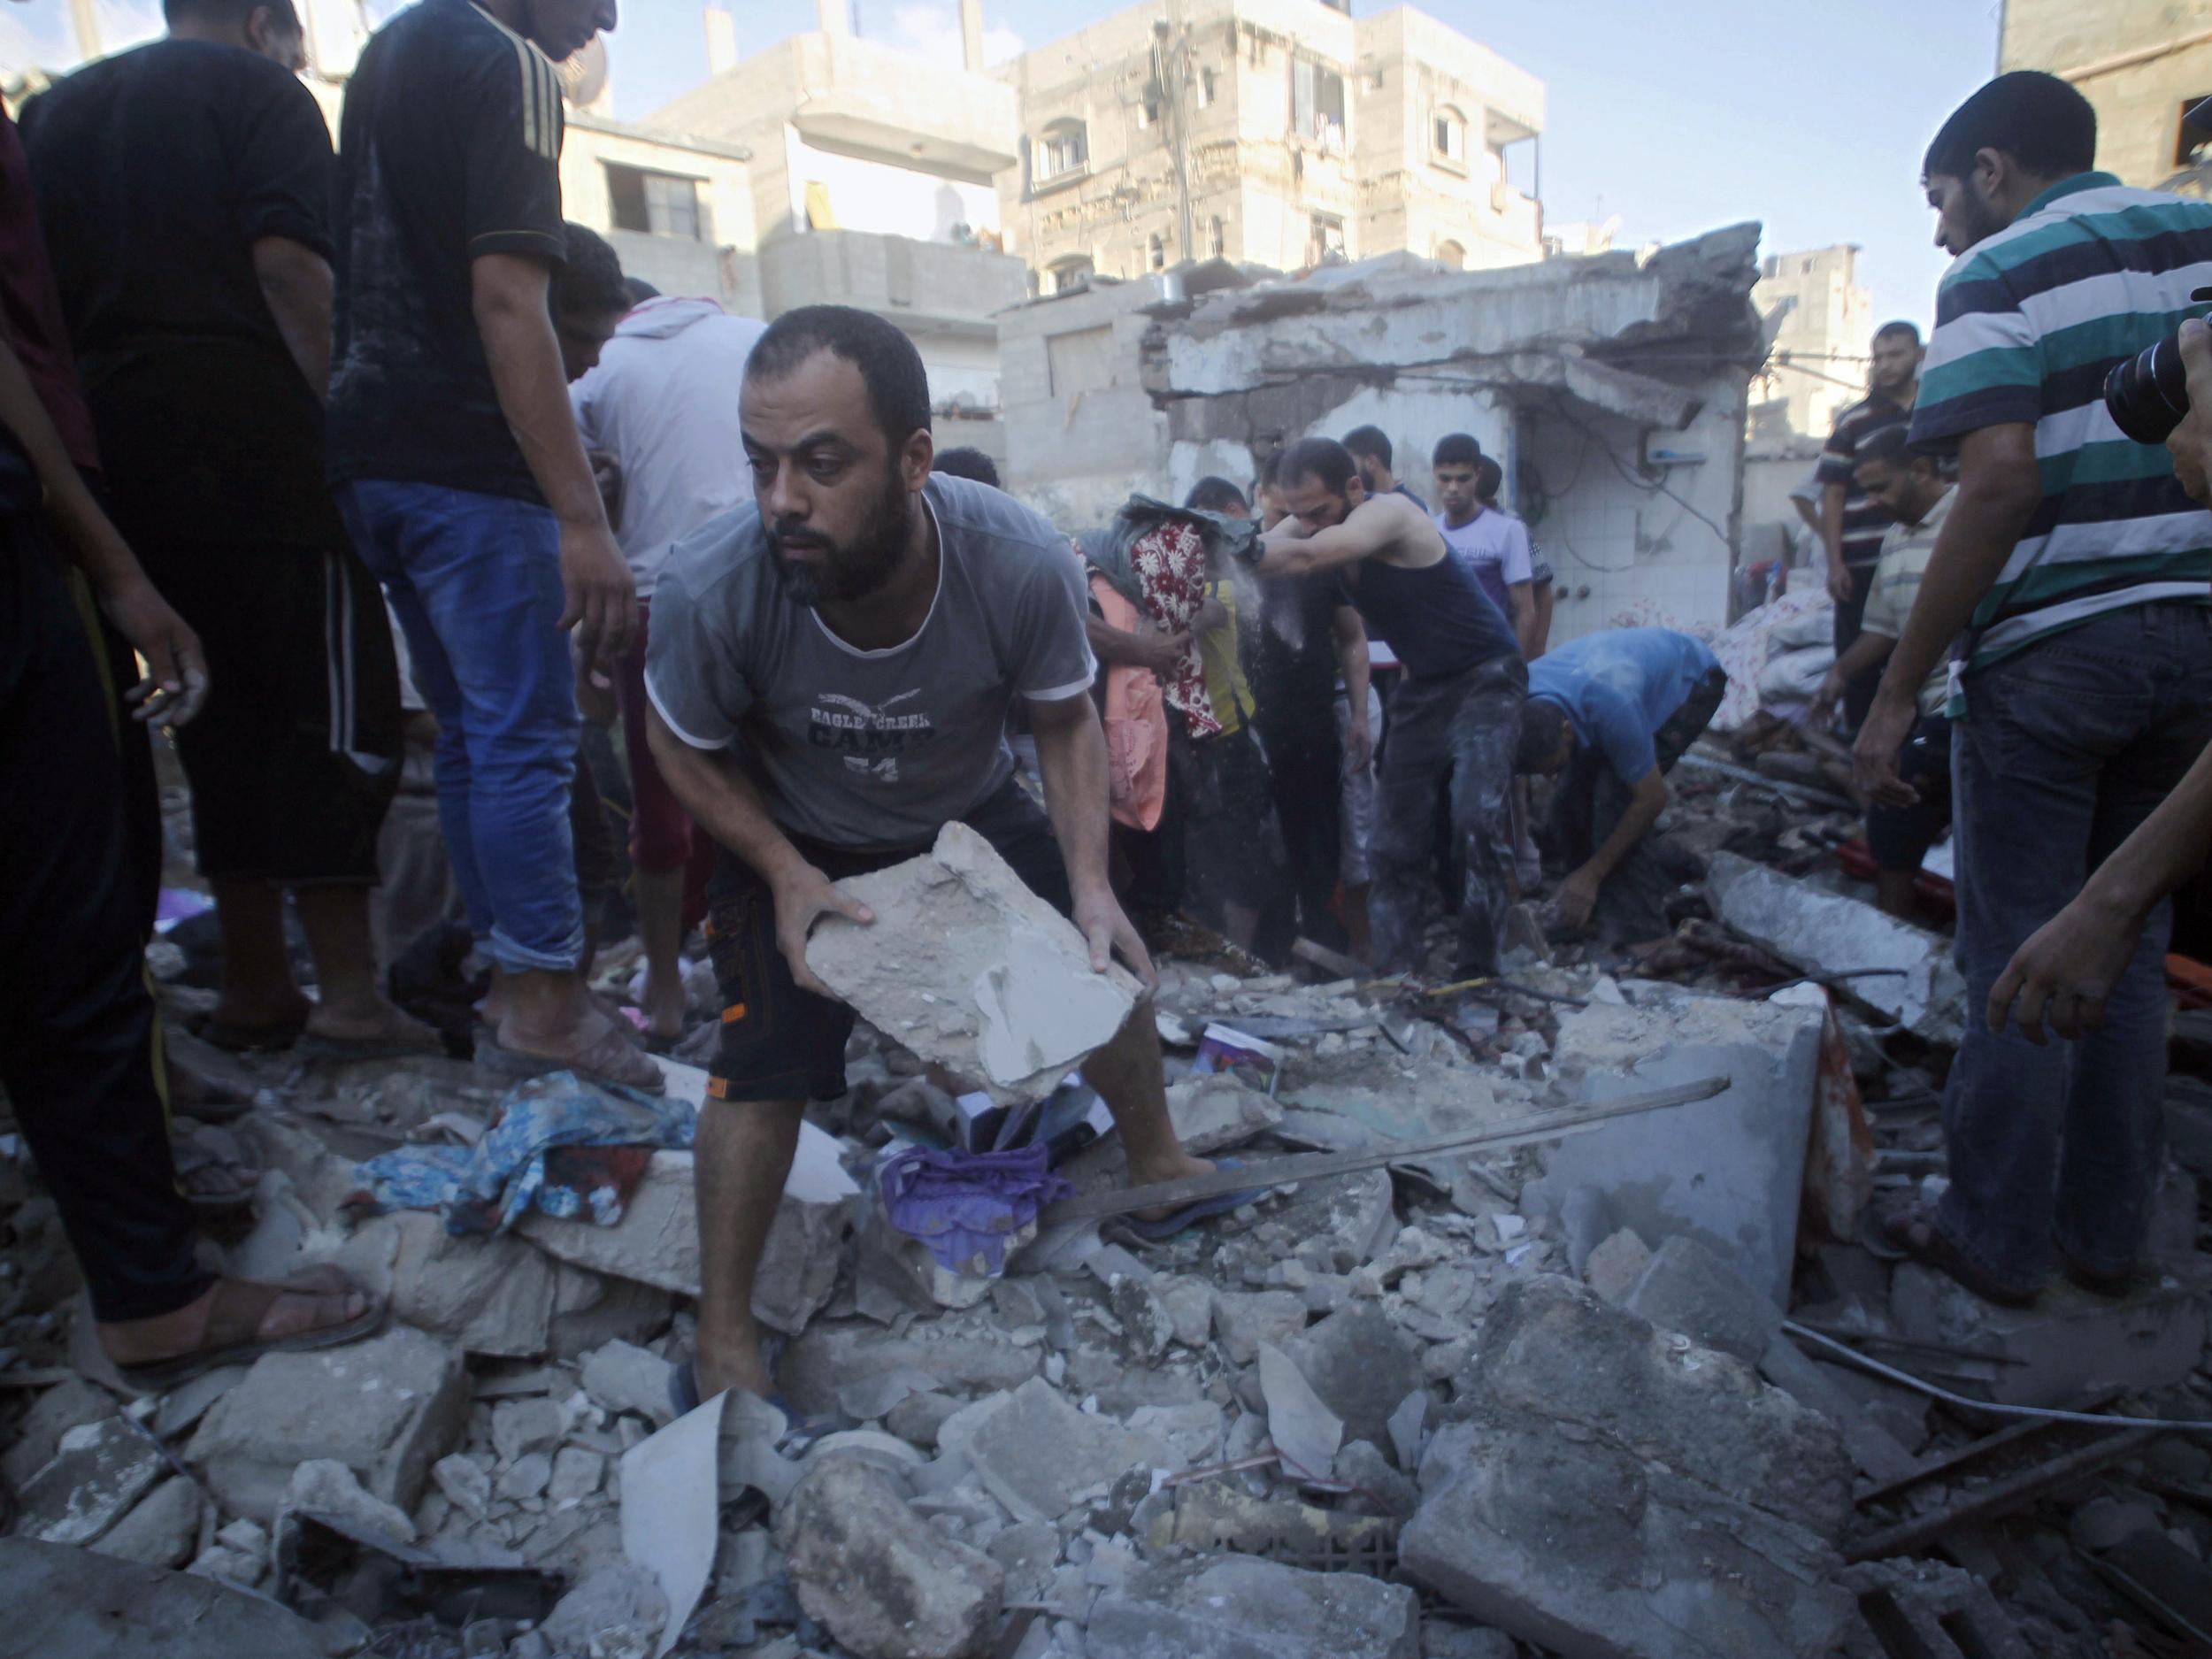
{"x": 2112, "y": 1286}
{"x": 1913, "y": 1231}
{"x": 270, "y": 1039}
{"x": 801, "y": 1430}
{"x": 1204, "y": 1209}
{"x": 192, "y": 1156}
{"x": 494, "y": 1055}
{"x": 233, "y": 1324}
{"x": 311, "y": 1047}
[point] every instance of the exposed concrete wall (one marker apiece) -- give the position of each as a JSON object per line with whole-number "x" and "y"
{"x": 2138, "y": 105}
{"x": 721, "y": 267}
{"x": 1080, "y": 439}
{"x": 1821, "y": 352}
{"x": 934, "y": 285}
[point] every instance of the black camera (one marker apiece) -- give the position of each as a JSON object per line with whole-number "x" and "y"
{"x": 2148, "y": 393}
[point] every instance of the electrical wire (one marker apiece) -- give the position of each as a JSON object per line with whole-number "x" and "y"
{"x": 1650, "y": 485}
{"x": 2037, "y": 1413}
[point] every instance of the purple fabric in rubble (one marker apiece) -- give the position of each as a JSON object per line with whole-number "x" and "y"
{"x": 964, "y": 1206}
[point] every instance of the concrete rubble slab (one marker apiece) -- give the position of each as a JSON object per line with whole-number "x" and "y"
{"x": 163, "y": 1531}
{"x": 70, "y": 1403}
{"x": 969, "y": 970}
{"x": 1037, "y": 1454}
{"x": 1306, "y": 1433}
{"x": 1245, "y": 1319}
{"x": 1241, "y": 1608}
{"x": 492, "y": 1295}
{"x": 87, "y": 1606}
{"x": 623, "y": 1377}
{"x": 1362, "y": 1365}
{"x": 1551, "y": 1349}
{"x": 98, "y": 1473}
{"x": 1728, "y": 1171}
{"x": 2070, "y": 1345}
{"x": 1879, "y": 1454}
{"x": 1928, "y": 1610}
{"x": 886, "y": 1583}
{"x": 1832, "y": 933}
{"x": 615, "y": 1613}
{"x": 838, "y": 1354}
{"x": 1616, "y": 1264}
{"x": 1686, "y": 1288}
{"x": 387, "y": 1409}
{"x": 1216, "y": 1110}
{"x": 657, "y": 1242}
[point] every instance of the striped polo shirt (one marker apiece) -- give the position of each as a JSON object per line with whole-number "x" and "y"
{"x": 1865, "y": 521}
{"x": 2028, "y": 324}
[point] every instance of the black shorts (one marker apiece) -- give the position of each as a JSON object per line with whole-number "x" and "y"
{"x": 297, "y": 755}
{"x": 780, "y": 1043}
{"x": 1900, "y": 835}
{"x": 1232, "y": 846}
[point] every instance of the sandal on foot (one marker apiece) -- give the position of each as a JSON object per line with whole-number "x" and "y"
{"x": 1916, "y": 1234}
{"x": 273, "y": 1038}
{"x": 194, "y": 1156}
{"x": 612, "y": 1058}
{"x": 1190, "y": 1214}
{"x": 2112, "y": 1286}
{"x": 312, "y": 1047}
{"x": 683, "y": 1396}
{"x": 233, "y": 1333}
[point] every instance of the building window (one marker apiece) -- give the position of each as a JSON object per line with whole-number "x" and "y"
{"x": 657, "y": 204}
{"x": 1450, "y": 253}
{"x": 1148, "y": 111}
{"x": 1316, "y": 104}
{"x": 1071, "y": 274}
{"x": 1207, "y": 90}
{"x": 1065, "y": 148}
{"x": 1449, "y": 135}
{"x": 1217, "y": 237}
{"x": 1325, "y": 242}
{"x": 1155, "y": 253}
{"x": 2190, "y": 141}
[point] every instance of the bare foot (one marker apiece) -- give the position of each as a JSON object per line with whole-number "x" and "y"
{"x": 738, "y": 1363}
{"x": 1178, "y": 1166}
{"x": 291, "y": 1312}
{"x": 665, "y": 1004}
{"x": 378, "y": 1022}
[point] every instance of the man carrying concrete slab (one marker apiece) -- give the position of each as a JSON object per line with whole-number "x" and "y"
{"x": 1613, "y": 713}
{"x": 830, "y": 669}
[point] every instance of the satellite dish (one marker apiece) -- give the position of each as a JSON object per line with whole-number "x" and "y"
{"x": 584, "y": 74}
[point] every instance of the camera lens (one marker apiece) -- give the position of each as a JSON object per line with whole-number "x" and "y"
{"x": 2148, "y": 393}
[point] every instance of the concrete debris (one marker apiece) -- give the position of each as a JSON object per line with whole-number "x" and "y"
{"x": 1929, "y": 1611}
{"x": 1246, "y": 1320}
{"x": 1305, "y": 1432}
{"x": 87, "y": 1606}
{"x": 1832, "y": 933}
{"x": 387, "y": 1409}
{"x": 887, "y": 1584}
{"x": 836, "y": 1354}
{"x": 1037, "y": 1455}
{"x": 98, "y": 1472}
{"x": 521, "y": 1427}
{"x": 328, "y": 1487}
{"x": 1240, "y": 1607}
{"x": 1686, "y": 1288}
{"x": 969, "y": 970}
{"x": 163, "y": 1531}
{"x": 492, "y": 1296}
{"x": 615, "y": 1613}
{"x": 622, "y": 1377}
{"x": 1361, "y": 1365}
{"x": 1613, "y": 1268}
{"x": 465, "y": 1483}
{"x": 1728, "y": 1171}
{"x": 1216, "y": 1110}
{"x": 69, "y": 1404}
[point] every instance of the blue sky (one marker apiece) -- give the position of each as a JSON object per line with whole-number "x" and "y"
{"x": 1810, "y": 118}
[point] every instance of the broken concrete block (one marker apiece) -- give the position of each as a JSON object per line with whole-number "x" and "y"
{"x": 1582, "y": 1545}
{"x": 2069, "y": 1346}
{"x": 387, "y": 1409}
{"x": 492, "y": 1295}
{"x": 1190, "y": 1308}
{"x": 70, "y": 1403}
{"x": 969, "y": 970}
{"x": 1342, "y": 1221}
{"x": 1616, "y": 1264}
{"x": 532, "y": 1424}
{"x": 1686, "y": 1288}
{"x": 1216, "y": 1110}
{"x": 1036, "y": 1454}
{"x": 1877, "y": 1453}
{"x": 577, "y": 1475}
{"x": 657, "y": 1242}
{"x": 1247, "y": 1318}
{"x": 1551, "y": 1348}
{"x": 466, "y": 1484}
{"x": 592, "y": 1310}
{"x": 837, "y": 1353}
{"x": 1306, "y": 1433}
{"x": 1729, "y": 1172}
{"x": 97, "y": 1474}
{"x": 1929, "y": 1610}
{"x": 1827, "y": 932}
{"x": 1362, "y": 1365}
{"x": 623, "y": 1377}
{"x": 886, "y": 1583}
{"x": 1243, "y": 1608}
{"x": 87, "y": 1606}
{"x": 615, "y": 1613}
{"x": 163, "y": 1531}
{"x": 328, "y": 1487}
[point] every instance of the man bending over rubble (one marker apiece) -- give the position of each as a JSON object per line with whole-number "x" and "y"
{"x": 1608, "y": 716}
{"x": 1458, "y": 712}
{"x": 830, "y": 669}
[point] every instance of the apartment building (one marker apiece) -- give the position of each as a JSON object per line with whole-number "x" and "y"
{"x": 1280, "y": 133}
{"x": 1821, "y": 322}
{"x": 2142, "y": 64}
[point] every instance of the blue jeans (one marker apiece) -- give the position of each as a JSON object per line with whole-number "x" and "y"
{"x": 475, "y": 581}
{"x": 2065, "y": 749}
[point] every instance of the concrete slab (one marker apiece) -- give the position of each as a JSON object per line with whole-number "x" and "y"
{"x": 1237, "y": 1607}
{"x": 62, "y": 1601}
{"x": 1727, "y": 1172}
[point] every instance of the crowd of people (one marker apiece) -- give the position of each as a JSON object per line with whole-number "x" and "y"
{"x": 367, "y": 454}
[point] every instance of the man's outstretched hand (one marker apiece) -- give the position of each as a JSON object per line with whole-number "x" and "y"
{"x": 601, "y": 594}
{"x": 2065, "y": 972}
{"x": 1107, "y": 930}
{"x": 803, "y": 897}
{"x": 1874, "y": 757}
{"x": 176, "y": 668}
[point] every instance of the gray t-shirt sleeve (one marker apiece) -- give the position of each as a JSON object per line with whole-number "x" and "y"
{"x": 694, "y": 675}
{"x": 1055, "y": 660}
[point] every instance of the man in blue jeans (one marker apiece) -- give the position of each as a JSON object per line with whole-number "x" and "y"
{"x": 2076, "y": 574}
{"x": 462, "y": 480}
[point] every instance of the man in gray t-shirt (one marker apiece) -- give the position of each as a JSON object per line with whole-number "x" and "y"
{"x": 830, "y": 669}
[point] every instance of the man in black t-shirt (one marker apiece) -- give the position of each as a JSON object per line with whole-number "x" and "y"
{"x": 460, "y": 473}
{"x": 1853, "y": 523}
{"x": 184, "y": 186}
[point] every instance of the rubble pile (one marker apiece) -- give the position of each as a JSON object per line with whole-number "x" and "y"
{"x": 1584, "y": 1397}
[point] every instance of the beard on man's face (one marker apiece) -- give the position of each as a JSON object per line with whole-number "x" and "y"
{"x": 851, "y": 570}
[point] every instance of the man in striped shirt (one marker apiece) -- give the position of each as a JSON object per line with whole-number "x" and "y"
{"x": 1852, "y": 522}
{"x": 2075, "y": 576}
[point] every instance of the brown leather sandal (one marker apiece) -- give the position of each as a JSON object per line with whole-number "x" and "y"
{"x": 233, "y": 1333}
{"x": 1915, "y": 1233}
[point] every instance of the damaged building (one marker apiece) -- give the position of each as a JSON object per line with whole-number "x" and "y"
{"x": 1611, "y": 386}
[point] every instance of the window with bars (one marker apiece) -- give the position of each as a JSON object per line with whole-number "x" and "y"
{"x": 657, "y": 204}
{"x": 1066, "y": 146}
